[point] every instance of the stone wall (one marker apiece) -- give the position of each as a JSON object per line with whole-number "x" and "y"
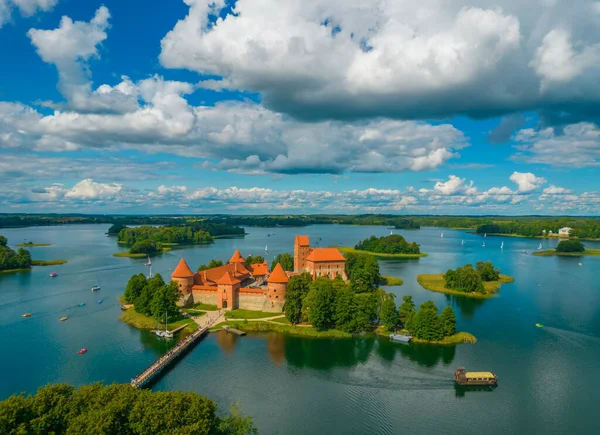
{"x": 185, "y": 300}
{"x": 251, "y": 302}
{"x": 205, "y": 298}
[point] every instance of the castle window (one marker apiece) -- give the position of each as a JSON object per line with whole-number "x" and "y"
{"x": 276, "y": 297}
{"x": 274, "y": 291}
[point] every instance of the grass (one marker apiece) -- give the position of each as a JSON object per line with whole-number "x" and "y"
{"x": 458, "y": 338}
{"x": 32, "y": 245}
{"x": 140, "y": 321}
{"x": 346, "y": 249}
{"x": 15, "y": 270}
{"x": 204, "y": 307}
{"x": 193, "y": 312}
{"x": 140, "y": 255}
{"x": 390, "y": 280}
{"x": 47, "y": 262}
{"x": 436, "y": 283}
{"x": 281, "y": 320}
{"x": 300, "y": 331}
{"x": 248, "y": 314}
{"x": 553, "y": 253}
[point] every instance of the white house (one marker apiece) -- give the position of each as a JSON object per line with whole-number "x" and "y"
{"x": 564, "y": 232}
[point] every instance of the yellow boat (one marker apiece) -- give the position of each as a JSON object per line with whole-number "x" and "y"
{"x": 62, "y": 319}
{"x": 26, "y": 315}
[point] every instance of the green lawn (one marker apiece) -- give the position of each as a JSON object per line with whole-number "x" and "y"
{"x": 32, "y": 245}
{"x": 47, "y": 262}
{"x": 379, "y": 255}
{"x": 553, "y": 253}
{"x": 281, "y": 320}
{"x": 193, "y": 312}
{"x": 140, "y": 321}
{"x": 204, "y": 307}
{"x": 436, "y": 283}
{"x": 458, "y": 338}
{"x": 140, "y": 255}
{"x": 390, "y": 280}
{"x": 248, "y": 314}
{"x": 284, "y": 329}
{"x": 15, "y": 270}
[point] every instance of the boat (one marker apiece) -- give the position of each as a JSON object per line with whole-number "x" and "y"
{"x": 401, "y": 338}
{"x": 96, "y": 287}
{"x": 580, "y": 264}
{"x": 442, "y": 236}
{"x": 166, "y": 333}
{"x": 62, "y": 319}
{"x": 82, "y": 351}
{"x": 148, "y": 262}
{"x": 53, "y": 274}
{"x": 484, "y": 234}
{"x": 483, "y": 245}
{"x": 465, "y": 378}
{"x": 100, "y": 301}
{"x": 540, "y": 247}
{"x": 539, "y": 325}
{"x": 81, "y": 304}
{"x": 26, "y": 315}
{"x": 266, "y": 248}
{"x": 462, "y": 243}
{"x": 502, "y": 245}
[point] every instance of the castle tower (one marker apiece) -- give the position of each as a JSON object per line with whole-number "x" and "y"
{"x": 301, "y": 252}
{"x": 184, "y": 277}
{"x": 227, "y": 292}
{"x": 277, "y": 284}
{"x": 237, "y": 257}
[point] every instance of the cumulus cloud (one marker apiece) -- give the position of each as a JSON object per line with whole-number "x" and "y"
{"x": 454, "y": 186}
{"x": 526, "y": 181}
{"x": 89, "y": 189}
{"x": 27, "y": 8}
{"x": 343, "y": 59}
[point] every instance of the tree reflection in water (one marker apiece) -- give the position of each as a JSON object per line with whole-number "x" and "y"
{"x": 226, "y": 341}
{"x": 467, "y": 306}
{"x": 422, "y": 354}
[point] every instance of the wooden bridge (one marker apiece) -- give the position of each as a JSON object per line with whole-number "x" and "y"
{"x": 172, "y": 355}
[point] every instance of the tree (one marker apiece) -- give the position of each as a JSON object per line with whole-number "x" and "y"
{"x": 286, "y": 261}
{"x": 428, "y": 305}
{"x": 570, "y": 246}
{"x": 363, "y": 271}
{"x": 145, "y": 247}
{"x": 411, "y": 321}
{"x": 392, "y": 244}
{"x": 256, "y": 259}
{"x": 135, "y": 287}
{"x": 464, "y": 279}
{"x": 487, "y": 271}
{"x": 297, "y": 289}
{"x": 389, "y": 314}
{"x": 211, "y": 265}
{"x": 346, "y": 310}
{"x": 116, "y": 229}
{"x": 367, "y": 305}
{"x": 448, "y": 320}
{"x": 428, "y": 325}
{"x": 405, "y": 310}
{"x": 3, "y": 241}
{"x": 164, "y": 301}
{"x": 319, "y": 303}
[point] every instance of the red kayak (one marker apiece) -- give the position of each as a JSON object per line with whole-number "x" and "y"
{"x": 82, "y": 351}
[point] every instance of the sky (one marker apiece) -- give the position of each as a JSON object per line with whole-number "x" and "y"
{"x": 304, "y": 106}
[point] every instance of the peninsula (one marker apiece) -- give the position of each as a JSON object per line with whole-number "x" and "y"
{"x": 31, "y": 245}
{"x": 482, "y": 282}
{"x": 569, "y": 248}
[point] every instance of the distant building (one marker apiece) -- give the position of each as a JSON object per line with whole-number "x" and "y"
{"x": 564, "y": 232}
{"x": 318, "y": 261}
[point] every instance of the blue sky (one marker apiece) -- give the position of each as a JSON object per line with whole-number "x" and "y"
{"x": 259, "y": 106}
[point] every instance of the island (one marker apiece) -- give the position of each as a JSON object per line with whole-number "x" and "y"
{"x": 31, "y": 245}
{"x": 569, "y": 248}
{"x": 48, "y": 262}
{"x": 13, "y": 261}
{"x": 392, "y": 246}
{"x": 483, "y": 281}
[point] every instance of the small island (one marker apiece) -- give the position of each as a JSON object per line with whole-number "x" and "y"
{"x": 569, "y": 248}
{"x": 13, "y": 261}
{"x": 390, "y": 280}
{"x": 483, "y": 281}
{"x": 31, "y": 245}
{"x": 392, "y": 246}
{"x": 48, "y": 262}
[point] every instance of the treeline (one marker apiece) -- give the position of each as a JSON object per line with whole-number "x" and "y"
{"x": 10, "y": 259}
{"x": 286, "y": 260}
{"x": 581, "y": 227}
{"x": 570, "y": 246}
{"x": 61, "y": 409}
{"x": 468, "y": 279}
{"x": 425, "y": 323}
{"x": 392, "y": 244}
{"x": 181, "y": 235}
{"x": 302, "y": 221}
{"x": 153, "y": 297}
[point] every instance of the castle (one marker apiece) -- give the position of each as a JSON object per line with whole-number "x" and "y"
{"x": 252, "y": 286}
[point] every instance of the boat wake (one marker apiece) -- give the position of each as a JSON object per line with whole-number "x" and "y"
{"x": 575, "y": 338}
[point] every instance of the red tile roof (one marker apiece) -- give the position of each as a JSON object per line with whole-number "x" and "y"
{"x": 260, "y": 269}
{"x": 212, "y": 276}
{"x": 182, "y": 270}
{"x": 278, "y": 275}
{"x": 227, "y": 279}
{"x": 237, "y": 257}
{"x": 325, "y": 254}
{"x": 302, "y": 240}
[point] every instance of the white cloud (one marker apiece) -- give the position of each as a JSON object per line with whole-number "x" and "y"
{"x": 454, "y": 186}
{"x": 342, "y": 59}
{"x": 27, "y": 8}
{"x": 526, "y": 181}
{"x": 554, "y": 190}
{"x": 89, "y": 189}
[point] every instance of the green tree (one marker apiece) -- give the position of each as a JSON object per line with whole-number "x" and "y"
{"x": 464, "y": 279}
{"x": 3, "y": 241}
{"x": 256, "y": 259}
{"x": 411, "y": 322}
{"x": 367, "y": 315}
{"x": 145, "y": 247}
{"x": 570, "y": 246}
{"x": 428, "y": 305}
{"x": 407, "y": 307}
{"x": 115, "y": 229}
{"x": 487, "y": 271}
{"x": 448, "y": 320}
{"x": 286, "y": 261}
{"x": 319, "y": 303}
{"x": 389, "y": 314}
{"x": 346, "y": 310}
{"x": 297, "y": 289}
{"x": 392, "y": 244}
{"x": 428, "y": 325}
{"x": 164, "y": 301}
{"x": 237, "y": 423}
{"x": 363, "y": 271}
{"x": 134, "y": 288}
{"x": 211, "y": 265}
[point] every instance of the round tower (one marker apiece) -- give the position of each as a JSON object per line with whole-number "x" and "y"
{"x": 184, "y": 277}
{"x": 277, "y": 284}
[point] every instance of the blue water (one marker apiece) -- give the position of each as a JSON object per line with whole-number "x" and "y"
{"x": 548, "y": 381}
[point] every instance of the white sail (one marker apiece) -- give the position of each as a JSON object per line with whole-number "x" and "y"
{"x": 483, "y": 245}
{"x": 442, "y": 235}
{"x": 502, "y": 245}
{"x": 540, "y": 247}
{"x": 484, "y": 234}
{"x": 462, "y": 242}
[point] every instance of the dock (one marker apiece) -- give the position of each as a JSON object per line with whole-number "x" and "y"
{"x": 233, "y": 330}
{"x": 155, "y": 369}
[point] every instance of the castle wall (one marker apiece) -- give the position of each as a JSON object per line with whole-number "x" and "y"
{"x": 205, "y": 298}
{"x": 251, "y": 301}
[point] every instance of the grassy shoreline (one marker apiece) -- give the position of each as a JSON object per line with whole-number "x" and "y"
{"x": 436, "y": 283}
{"x": 48, "y": 262}
{"x": 32, "y": 245}
{"x": 15, "y": 270}
{"x": 300, "y": 331}
{"x": 390, "y": 280}
{"x": 139, "y": 255}
{"x": 140, "y": 321}
{"x": 457, "y": 338}
{"x": 554, "y": 253}
{"x": 347, "y": 249}
{"x": 248, "y": 314}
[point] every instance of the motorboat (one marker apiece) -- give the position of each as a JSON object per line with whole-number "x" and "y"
{"x": 62, "y": 319}
{"x": 82, "y": 351}
{"x": 53, "y": 274}
{"x": 539, "y": 325}
{"x": 96, "y": 287}
{"x": 401, "y": 338}
{"x": 100, "y": 301}
{"x": 81, "y": 304}
{"x": 26, "y": 315}
{"x": 465, "y": 378}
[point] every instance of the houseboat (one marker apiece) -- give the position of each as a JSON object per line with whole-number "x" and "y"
{"x": 465, "y": 378}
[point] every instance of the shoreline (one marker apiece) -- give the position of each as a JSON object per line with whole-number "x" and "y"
{"x": 390, "y": 280}
{"x": 348, "y": 249}
{"x": 7, "y": 271}
{"x": 32, "y": 245}
{"x": 295, "y": 330}
{"x": 554, "y": 253}
{"x": 452, "y": 340}
{"x": 435, "y": 283}
{"x": 127, "y": 254}
{"x": 140, "y": 321}
{"x": 48, "y": 262}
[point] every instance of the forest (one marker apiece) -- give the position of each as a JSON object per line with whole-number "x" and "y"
{"x": 11, "y": 259}
{"x": 581, "y": 227}
{"x": 61, "y": 409}
{"x": 179, "y": 235}
{"x": 468, "y": 279}
{"x": 392, "y": 244}
{"x": 153, "y": 297}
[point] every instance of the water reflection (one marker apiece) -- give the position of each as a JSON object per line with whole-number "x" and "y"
{"x": 467, "y": 306}
{"x": 159, "y": 346}
{"x": 460, "y": 391}
{"x": 424, "y": 355}
{"x": 226, "y": 342}
{"x": 326, "y": 354}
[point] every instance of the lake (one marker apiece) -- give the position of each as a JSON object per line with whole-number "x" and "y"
{"x": 290, "y": 385}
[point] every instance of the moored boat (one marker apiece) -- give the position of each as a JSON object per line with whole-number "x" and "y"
{"x": 26, "y": 315}
{"x": 465, "y": 378}
{"x": 62, "y": 319}
{"x": 82, "y": 351}
{"x": 401, "y": 338}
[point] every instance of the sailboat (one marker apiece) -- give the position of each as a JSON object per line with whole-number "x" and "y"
{"x": 483, "y": 245}
{"x": 502, "y": 245}
{"x": 540, "y": 247}
{"x": 484, "y": 234}
{"x": 166, "y": 333}
{"x": 97, "y": 286}
{"x": 266, "y": 249}
{"x": 442, "y": 236}
{"x": 148, "y": 262}
{"x": 462, "y": 243}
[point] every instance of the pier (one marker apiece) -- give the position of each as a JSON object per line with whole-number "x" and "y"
{"x": 154, "y": 370}
{"x": 233, "y": 330}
